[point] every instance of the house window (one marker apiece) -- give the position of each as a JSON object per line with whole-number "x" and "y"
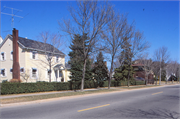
{"x": 11, "y": 55}
{"x": 11, "y": 70}
{"x": 48, "y": 73}
{"x": 21, "y": 70}
{"x": 34, "y": 55}
{"x": 34, "y": 72}
{"x": 3, "y": 72}
{"x": 2, "y": 56}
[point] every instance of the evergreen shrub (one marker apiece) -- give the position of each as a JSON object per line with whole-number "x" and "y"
{"x": 17, "y": 88}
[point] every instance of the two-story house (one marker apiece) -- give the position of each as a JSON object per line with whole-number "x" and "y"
{"x": 142, "y": 72}
{"x": 33, "y": 61}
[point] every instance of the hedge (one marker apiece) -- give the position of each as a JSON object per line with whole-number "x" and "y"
{"x": 17, "y": 88}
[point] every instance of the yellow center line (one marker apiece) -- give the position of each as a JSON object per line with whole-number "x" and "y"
{"x": 93, "y": 108}
{"x": 156, "y": 93}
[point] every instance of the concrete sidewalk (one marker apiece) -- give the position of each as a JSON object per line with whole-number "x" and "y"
{"x": 55, "y": 92}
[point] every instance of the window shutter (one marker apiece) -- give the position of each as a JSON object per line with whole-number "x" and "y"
{"x": 46, "y": 72}
{"x": 4, "y": 55}
{"x": 5, "y": 72}
{"x": 36, "y": 55}
{"x": 1, "y": 57}
{"x": 37, "y": 76}
{"x": 31, "y": 54}
{"x": 11, "y": 55}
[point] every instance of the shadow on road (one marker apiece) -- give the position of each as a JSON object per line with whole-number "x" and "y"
{"x": 174, "y": 97}
{"x": 177, "y": 86}
{"x": 155, "y": 113}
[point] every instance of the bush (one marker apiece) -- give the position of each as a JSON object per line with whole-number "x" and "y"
{"x": 16, "y": 88}
{"x": 4, "y": 81}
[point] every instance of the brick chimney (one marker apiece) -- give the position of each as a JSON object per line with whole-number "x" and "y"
{"x": 106, "y": 63}
{"x": 16, "y": 67}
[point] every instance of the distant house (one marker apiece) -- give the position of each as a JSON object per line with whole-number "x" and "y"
{"x": 139, "y": 72}
{"x": 172, "y": 77}
{"x": 31, "y": 58}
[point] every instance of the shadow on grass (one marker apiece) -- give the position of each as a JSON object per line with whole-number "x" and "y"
{"x": 155, "y": 113}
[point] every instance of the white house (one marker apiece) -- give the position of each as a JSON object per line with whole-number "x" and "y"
{"x": 32, "y": 60}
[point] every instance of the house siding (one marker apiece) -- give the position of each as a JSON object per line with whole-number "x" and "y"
{"x": 7, "y": 64}
{"x": 26, "y": 62}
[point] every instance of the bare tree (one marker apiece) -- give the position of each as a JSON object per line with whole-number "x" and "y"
{"x": 50, "y": 49}
{"x": 147, "y": 65}
{"x": 161, "y": 59}
{"x": 88, "y": 18}
{"x": 163, "y": 54}
{"x": 117, "y": 32}
{"x": 139, "y": 45}
{"x": 25, "y": 75}
{"x": 120, "y": 33}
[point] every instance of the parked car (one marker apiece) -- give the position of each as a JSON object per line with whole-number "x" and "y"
{"x": 139, "y": 79}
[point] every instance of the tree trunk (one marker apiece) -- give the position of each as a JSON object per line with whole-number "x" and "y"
{"x": 50, "y": 74}
{"x": 156, "y": 81}
{"x": 128, "y": 77}
{"x": 83, "y": 76}
{"x": 110, "y": 75}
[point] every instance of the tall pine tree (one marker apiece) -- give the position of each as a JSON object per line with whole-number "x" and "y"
{"x": 125, "y": 72}
{"x": 100, "y": 69}
{"x": 76, "y": 60}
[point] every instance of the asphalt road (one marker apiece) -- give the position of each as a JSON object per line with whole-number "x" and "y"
{"x": 160, "y": 103}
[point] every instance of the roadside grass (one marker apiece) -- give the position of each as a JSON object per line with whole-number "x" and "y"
{"x": 66, "y": 94}
{"x": 168, "y": 82}
{"x": 134, "y": 87}
{"x": 50, "y": 96}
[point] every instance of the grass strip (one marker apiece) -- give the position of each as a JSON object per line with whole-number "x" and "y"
{"x": 56, "y": 95}
{"x": 49, "y": 96}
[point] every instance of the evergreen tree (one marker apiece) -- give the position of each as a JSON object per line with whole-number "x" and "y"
{"x": 122, "y": 73}
{"x": 125, "y": 72}
{"x": 100, "y": 69}
{"x": 76, "y": 59}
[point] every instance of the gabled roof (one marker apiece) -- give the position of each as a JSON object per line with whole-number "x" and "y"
{"x": 34, "y": 45}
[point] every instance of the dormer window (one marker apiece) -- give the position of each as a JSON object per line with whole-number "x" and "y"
{"x": 3, "y": 56}
{"x": 57, "y": 59}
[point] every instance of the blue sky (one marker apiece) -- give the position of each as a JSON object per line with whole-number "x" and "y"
{"x": 159, "y": 20}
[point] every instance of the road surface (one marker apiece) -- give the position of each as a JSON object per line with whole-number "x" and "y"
{"x": 160, "y": 103}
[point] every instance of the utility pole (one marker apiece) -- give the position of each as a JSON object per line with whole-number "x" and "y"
{"x": 160, "y": 73}
{"x": 12, "y": 14}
